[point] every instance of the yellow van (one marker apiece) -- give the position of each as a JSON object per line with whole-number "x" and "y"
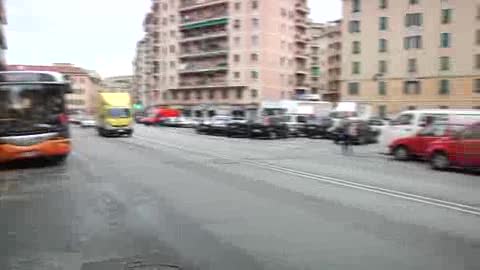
{"x": 115, "y": 114}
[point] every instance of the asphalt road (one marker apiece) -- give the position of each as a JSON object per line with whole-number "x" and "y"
{"x": 208, "y": 202}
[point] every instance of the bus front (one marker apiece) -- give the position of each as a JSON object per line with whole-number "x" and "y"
{"x": 33, "y": 119}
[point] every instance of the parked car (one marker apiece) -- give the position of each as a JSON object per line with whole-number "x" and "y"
{"x": 270, "y": 127}
{"x": 318, "y": 127}
{"x": 459, "y": 150}
{"x": 216, "y": 125}
{"x": 88, "y": 122}
{"x": 416, "y": 146}
{"x": 365, "y": 133}
{"x": 296, "y": 124}
{"x": 74, "y": 119}
{"x": 156, "y": 116}
{"x": 378, "y": 124}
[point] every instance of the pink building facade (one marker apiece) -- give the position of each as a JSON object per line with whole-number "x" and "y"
{"x": 227, "y": 56}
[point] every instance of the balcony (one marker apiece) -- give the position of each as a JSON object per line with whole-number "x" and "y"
{"x": 301, "y": 23}
{"x": 187, "y": 5}
{"x": 301, "y": 38}
{"x": 204, "y": 53}
{"x": 301, "y": 71}
{"x": 301, "y": 54}
{"x": 301, "y": 7}
{"x": 203, "y": 67}
{"x": 203, "y": 36}
{"x": 204, "y": 23}
{"x": 203, "y": 83}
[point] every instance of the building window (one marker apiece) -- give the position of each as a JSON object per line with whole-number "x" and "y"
{"x": 383, "y": 23}
{"x": 236, "y": 24}
{"x": 186, "y": 95}
{"x": 354, "y": 27}
{"x": 172, "y": 48}
{"x": 412, "y": 87}
{"x": 444, "y": 87}
{"x": 254, "y": 75}
{"x": 239, "y": 93}
{"x": 211, "y": 94}
{"x": 413, "y": 42}
{"x": 254, "y": 4}
{"x": 445, "y": 40}
{"x": 236, "y": 58}
{"x": 254, "y": 57}
{"x": 412, "y": 65}
{"x": 224, "y": 93}
{"x": 255, "y": 22}
{"x": 238, "y": 6}
{"x": 382, "y": 88}
{"x": 382, "y": 45}
{"x": 413, "y": 2}
{"x": 356, "y": 47}
{"x": 477, "y": 38}
{"x": 444, "y": 63}
{"x": 254, "y": 93}
{"x": 254, "y": 40}
{"x": 476, "y": 86}
{"x": 446, "y": 16}
{"x": 236, "y": 41}
{"x": 356, "y": 5}
{"x": 413, "y": 19}
{"x": 382, "y": 67}
{"x": 353, "y": 88}
{"x": 355, "y": 67}
{"x": 198, "y": 94}
{"x": 477, "y": 61}
{"x": 172, "y": 18}
{"x": 383, "y": 4}
{"x": 283, "y": 12}
{"x": 236, "y": 75}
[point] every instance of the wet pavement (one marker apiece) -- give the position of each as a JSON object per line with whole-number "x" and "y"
{"x": 229, "y": 203}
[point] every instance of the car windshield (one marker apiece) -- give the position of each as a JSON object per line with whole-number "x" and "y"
{"x": 119, "y": 113}
{"x": 30, "y": 107}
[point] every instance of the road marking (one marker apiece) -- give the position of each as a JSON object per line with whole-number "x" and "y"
{"x": 468, "y": 209}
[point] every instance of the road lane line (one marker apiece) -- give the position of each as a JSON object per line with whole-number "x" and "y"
{"x": 335, "y": 181}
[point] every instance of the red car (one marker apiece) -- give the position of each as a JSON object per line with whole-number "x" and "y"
{"x": 459, "y": 150}
{"x": 416, "y": 146}
{"x": 158, "y": 115}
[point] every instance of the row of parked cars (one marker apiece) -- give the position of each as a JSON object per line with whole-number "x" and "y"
{"x": 283, "y": 126}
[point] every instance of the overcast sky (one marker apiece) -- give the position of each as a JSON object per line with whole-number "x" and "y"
{"x": 93, "y": 34}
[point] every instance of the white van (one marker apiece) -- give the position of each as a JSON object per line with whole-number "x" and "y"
{"x": 408, "y": 123}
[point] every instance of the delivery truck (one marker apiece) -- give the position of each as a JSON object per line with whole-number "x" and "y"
{"x": 115, "y": 114}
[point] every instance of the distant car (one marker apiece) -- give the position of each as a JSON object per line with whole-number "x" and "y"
{"x": 186, "y": 122}
{"x": 461, "y": 149}
{"x": 416, "y": 146}
{"x": 318, "y": 127}
{"x": 377, "y": 123}
{"x": 296, "y": 124}
{"x": 88, "y": 122}
{"x": 216, "y": 125}
{"x": 272, "y": 127}
{"x": 74, "y": 119}
{"x": 156, "y": 116}
{"x": 365, "y": 133}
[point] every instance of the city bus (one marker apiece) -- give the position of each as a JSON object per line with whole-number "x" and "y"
{"x": 33, "y": 119}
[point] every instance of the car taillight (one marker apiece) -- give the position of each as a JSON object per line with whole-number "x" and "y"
{"x": 63, "y": 119}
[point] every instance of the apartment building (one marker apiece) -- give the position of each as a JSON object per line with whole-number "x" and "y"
{"x": 118, "y": 83}
{"x": 226, "y": 56}
{"x": 85, "y": 84}
{"x": 325, "y": 59}
{"x": 408, "y": 54}
{"x": 3, "y": 41}
{"x": 139, "y": 81}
